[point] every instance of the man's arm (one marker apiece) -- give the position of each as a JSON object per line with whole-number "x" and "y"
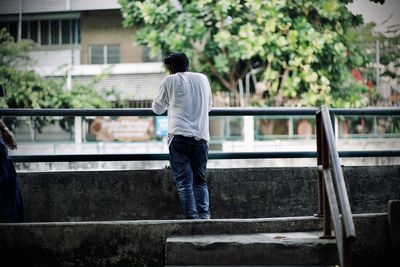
{"x": 7, "y": 135}
{"x": 160, "y": 102}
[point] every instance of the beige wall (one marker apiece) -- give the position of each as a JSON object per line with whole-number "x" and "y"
{"x": 104, "y": 27}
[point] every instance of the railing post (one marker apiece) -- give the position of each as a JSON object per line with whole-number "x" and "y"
{"x": 333, "y": 121}
{"x": 319, "y": 164}
{"x": 346, "y": 251}
{"x": 323, "y": 163}
{"x": 325, "y": 166}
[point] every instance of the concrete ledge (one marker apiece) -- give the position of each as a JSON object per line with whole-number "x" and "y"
{"x": 142, "y": 243}
{"x": 234, "y": 193}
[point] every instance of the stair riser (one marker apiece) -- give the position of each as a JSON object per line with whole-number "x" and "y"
{"x": 250, "y": 254}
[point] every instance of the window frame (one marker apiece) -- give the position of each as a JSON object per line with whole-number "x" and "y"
{"x": 105, "y": 48}
{"x": 32, "y": 29}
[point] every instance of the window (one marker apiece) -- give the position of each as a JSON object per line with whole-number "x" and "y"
{"x": 113, "y": 54}
{"x": 34, "y": 30}
{"x": 97, "y": 54}
{"x": 3, "y": 24}
{"x": 24, "y": 33}
{"x": 65, "y": 31}
{"x": 46, "y": 32}
{"x": 76, "y": 31}
{"x": 13, "y": 29}
{"x": 55, "y": 31}
{"x": 104, "y": 54}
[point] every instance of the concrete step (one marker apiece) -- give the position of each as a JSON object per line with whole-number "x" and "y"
{"x": 262, "y": 249}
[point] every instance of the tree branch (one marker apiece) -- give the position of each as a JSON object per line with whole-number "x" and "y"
{"x": 199, "y": 49}
{"x": 218, "y": 75}
{"x": 279, "y": 95}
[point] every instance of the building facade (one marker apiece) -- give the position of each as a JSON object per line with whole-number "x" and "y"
{"x": 81, "y": 39}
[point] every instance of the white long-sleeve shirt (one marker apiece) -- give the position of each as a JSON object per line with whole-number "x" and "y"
{"x": 188, "y": 98}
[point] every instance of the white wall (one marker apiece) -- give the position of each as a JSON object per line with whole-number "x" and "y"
{"x": 48, "y": 61}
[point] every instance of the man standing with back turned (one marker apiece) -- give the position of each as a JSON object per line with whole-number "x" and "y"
{"x": 187, "y": 96}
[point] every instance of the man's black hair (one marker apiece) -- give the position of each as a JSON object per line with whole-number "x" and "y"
{"x": 177, "y": 62}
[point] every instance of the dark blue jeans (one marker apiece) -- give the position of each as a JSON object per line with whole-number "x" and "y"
{"x": 11, "y": 207}
{"x": 188, "y": 158}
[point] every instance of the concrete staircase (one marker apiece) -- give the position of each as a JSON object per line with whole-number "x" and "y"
{"x": 131, "y": 218}
{"x": 256, "y": 249}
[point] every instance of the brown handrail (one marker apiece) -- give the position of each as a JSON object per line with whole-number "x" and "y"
{"x": 330, "y": 189}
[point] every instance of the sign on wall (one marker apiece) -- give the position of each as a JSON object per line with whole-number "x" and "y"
{"x": 161, "y": 126}
{"x": 123, "y": 129}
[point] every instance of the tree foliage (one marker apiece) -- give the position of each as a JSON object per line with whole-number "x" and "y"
{"x": 302, "y": 46}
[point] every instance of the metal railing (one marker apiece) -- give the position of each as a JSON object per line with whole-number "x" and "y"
{"x": 326, "y": 154}
{"x": 329, "y": 188}
{"x": 280, "y": 111}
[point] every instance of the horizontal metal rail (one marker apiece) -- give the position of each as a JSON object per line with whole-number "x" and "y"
{"x": 149, "y": 112}
{"x": 384, "y": 111}
{"x": 272, "y": 111}
{"x": 212, "y": 155}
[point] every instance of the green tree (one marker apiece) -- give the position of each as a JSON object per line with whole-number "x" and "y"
{"x": 303, "y": 46}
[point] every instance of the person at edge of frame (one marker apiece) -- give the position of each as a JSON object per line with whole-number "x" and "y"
{"x": 187, "y": 96}
{"x": 11, "y": 206}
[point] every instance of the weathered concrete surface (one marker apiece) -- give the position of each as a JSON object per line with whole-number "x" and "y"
{"x": 372, "y": 245}
{"x": 370, "y": 188}
{"x": 142, "y": 243}
{"x": 283, "y": 249}
{"x": 99, "y": 196}
{"x": 235, "y": 193}
{"x": 394, "y": 230}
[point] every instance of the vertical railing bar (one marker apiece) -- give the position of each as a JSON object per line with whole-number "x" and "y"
{"x": 332, "y": 116}
{"x": 343, "y": 225}
{"x": 346, "y": 251}
{"x": 339, "y": 179}
{"x": 325, "y": 166}
{"x": 334, "y": 210}
{"x": 319, "y": 164}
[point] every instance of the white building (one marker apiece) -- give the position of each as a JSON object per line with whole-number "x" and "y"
{"x": 83, "y": 39}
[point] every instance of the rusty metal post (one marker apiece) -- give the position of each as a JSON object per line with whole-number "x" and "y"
{"x": 325, "y": 166}
{"x": 346, "y": 251}
{"x": 319, "y": 164}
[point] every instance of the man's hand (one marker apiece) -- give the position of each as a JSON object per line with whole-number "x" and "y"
{"x": 9, "y": 138}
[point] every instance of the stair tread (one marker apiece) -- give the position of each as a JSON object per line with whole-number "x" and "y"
{"x": 253, "y": 249}
{"x": 289, "y": 237}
